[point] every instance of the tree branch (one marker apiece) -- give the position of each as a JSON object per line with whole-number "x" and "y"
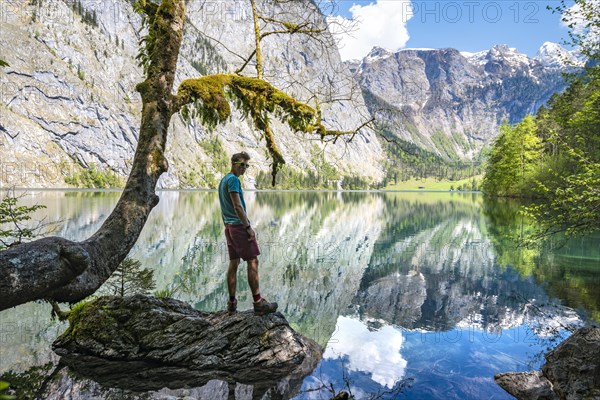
{"x": 240, "y": 69}
{"x": 45, "y": 268}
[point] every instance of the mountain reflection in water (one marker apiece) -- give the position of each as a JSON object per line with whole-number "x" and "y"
{"x": 413, "y": 295}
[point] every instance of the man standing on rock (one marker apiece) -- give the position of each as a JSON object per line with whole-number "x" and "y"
{"x": 241, "y": 238}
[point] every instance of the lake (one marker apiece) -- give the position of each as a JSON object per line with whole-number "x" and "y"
{"x": 416, "y": 295}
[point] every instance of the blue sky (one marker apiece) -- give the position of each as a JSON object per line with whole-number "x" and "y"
{"x": 467, "y": 25}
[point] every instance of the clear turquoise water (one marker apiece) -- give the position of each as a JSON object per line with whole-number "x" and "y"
{"x": 412, "y": 295}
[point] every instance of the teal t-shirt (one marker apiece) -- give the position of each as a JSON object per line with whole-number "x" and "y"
{"x": 230, "y": 183}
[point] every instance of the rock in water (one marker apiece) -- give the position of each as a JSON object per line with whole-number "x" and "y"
{"x": 571, "y": 371}
{"x": 527, "y": 385}
{"x": 142, "y": 343}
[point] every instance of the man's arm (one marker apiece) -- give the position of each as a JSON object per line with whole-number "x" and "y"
{"x": 239, "y": 210}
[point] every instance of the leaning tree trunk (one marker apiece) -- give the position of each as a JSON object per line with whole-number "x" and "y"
{"x": 58, "y": 269}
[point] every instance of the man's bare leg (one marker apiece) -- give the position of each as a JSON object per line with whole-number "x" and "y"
{"x": 232, "y": 276}
{"x": 253, "y": 276}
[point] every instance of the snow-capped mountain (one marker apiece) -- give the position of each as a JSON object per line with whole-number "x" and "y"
{"x": 555, "y": 56}
{"x": 451, "y": 103}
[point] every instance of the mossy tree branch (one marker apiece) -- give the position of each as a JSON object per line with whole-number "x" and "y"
{"x": 291, "y": 28}
{"x": 65, "y": 271}
{"x": 208, "y": 98}
{"x": 257, "y": 38}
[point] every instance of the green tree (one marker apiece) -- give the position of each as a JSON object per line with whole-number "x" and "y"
{"x": 528, "y": 151}
{"x": 513, "y": 160}
{"x": 15, "y": 227}
{"x": 556, "y": 156}
{"x": 92, "y": 177}
{"x": 497, "y": 180}
{"x": 569, "y": 193}
{"x": 129, "y": 278}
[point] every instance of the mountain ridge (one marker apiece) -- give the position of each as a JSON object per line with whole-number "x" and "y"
{"x": 69, "y": 99}
{"x": 452, "y": 103}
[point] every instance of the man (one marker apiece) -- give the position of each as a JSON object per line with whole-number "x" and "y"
{"x": 241, "y": 238}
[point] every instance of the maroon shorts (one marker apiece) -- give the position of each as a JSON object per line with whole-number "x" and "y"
{"x": 238, "y": 244}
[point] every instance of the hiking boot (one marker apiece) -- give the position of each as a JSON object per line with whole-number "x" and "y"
{"x": 263, "y": 307}
{"x": 232, "y": 306}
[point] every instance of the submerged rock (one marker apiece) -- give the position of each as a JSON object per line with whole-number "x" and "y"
{"x": 571, "y": 371}
{"x": 142, "y": 343}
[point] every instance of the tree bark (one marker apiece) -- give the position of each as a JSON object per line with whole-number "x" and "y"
{"x": 259, "y": 65}
{"x": 58, "y": 269}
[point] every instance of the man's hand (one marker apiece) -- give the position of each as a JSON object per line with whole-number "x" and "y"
{"x": 251, "y": 233}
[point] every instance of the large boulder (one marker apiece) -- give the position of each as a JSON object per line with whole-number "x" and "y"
{"x": 142, "y": 343}
{"x": 571, "y": 371}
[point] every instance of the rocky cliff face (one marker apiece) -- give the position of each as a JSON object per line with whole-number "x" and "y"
{"x": 452, "y": 103}
{"x": 68, "y": 98}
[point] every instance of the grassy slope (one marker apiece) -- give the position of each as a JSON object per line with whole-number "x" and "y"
{"x": 430, "y": 184}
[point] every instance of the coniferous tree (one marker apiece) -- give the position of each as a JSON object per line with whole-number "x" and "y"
{"x": 129, "y": 278}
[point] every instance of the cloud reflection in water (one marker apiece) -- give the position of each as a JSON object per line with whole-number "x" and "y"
{"x": 376, "y": 352}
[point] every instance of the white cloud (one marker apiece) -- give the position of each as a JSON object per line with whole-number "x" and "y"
{"x": 375, "y": 352}
{"x": 382, "y": 23}
{"x": 581, "y": 26}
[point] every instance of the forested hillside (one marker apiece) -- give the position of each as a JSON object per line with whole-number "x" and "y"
{"x": 554, "y": 157}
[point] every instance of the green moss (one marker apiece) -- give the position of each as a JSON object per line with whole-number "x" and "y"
{"x": 158, "y": 163}
{"x": 290, "y": 26}
{"x": 158, "y": 19}
{"x": 209, "y": 101}
{"x": 254, "y": 97}
{"x": 90, "y": 319}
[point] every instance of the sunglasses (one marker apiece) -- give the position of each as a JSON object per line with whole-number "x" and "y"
{"x": 242, "y": 164}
